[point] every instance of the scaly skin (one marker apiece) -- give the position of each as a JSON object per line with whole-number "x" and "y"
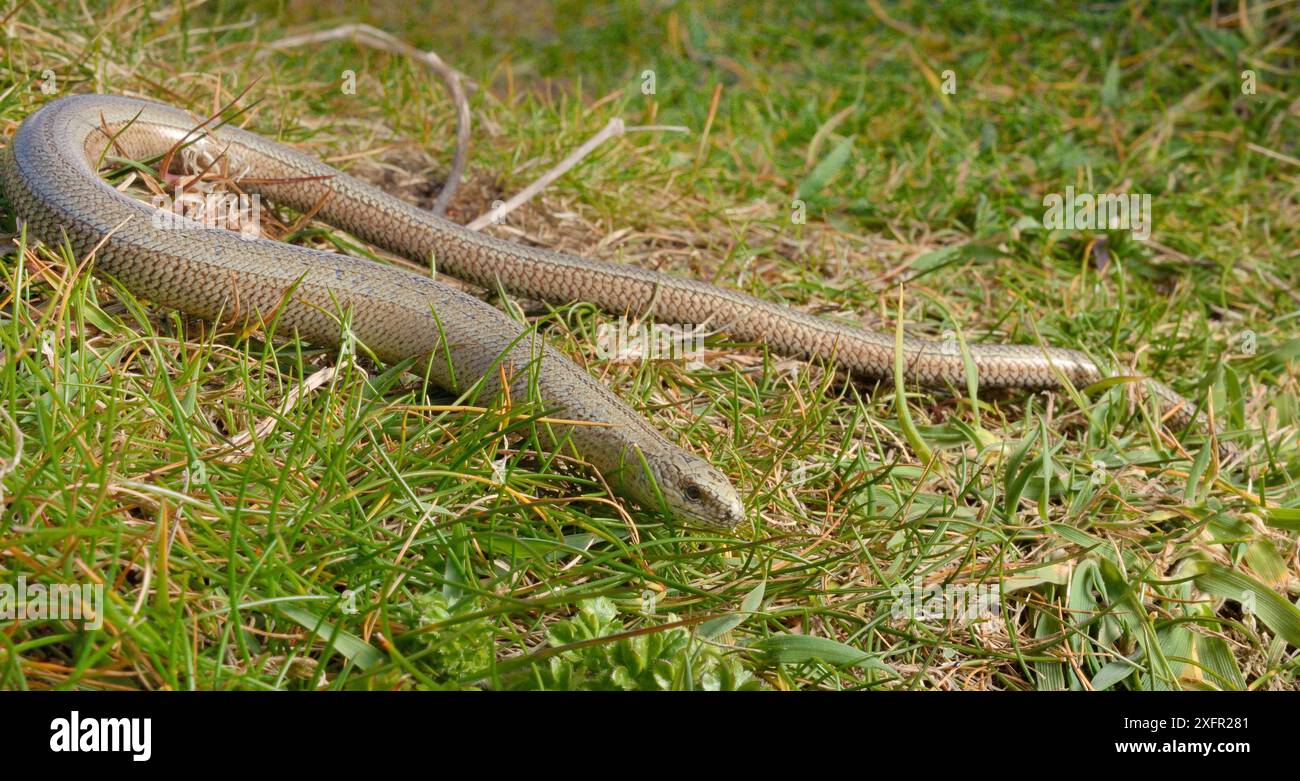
{"x": 47, "y": 175}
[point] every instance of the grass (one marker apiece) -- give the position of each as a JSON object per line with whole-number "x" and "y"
{"x": 375, "y": 535}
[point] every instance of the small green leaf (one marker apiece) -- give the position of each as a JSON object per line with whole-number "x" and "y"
{"x": 1016, "y": 478}
{"x": 1112, "y": 674}
{"x": 1045, "y": 498}
{"x": 1057, "y": 574}
{"x": 1264, "y": 560}
{"x": 935, "y": 259}
{"x": 825, "y": 170}
{"x": 754, "y": 599}
{"x": 1077, "y": 536}
{"x": 910, "y": 431}
{"x": 361, "y": 653}
{"x": 719, "y": 626}
{"x": 1217, "y": 657}
{"x": 1283, "y": 518}
{"x": 800, "y": 649}
{"x": 1192, "y": 489}
{"x": 1110, "y": 86}
{"x": 453, "y": 580}
{"x": 1050, "y": 675}
{"x": 1276, "y": 611}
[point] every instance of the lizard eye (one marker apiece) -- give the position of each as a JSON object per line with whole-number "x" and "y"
{"x": 692, "y": 493}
